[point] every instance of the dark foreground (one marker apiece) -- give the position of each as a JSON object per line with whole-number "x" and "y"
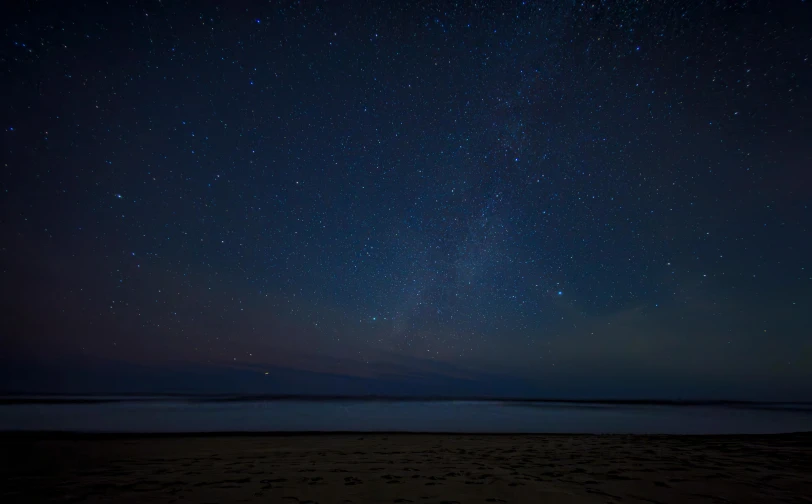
{"x": 404, "y": 468}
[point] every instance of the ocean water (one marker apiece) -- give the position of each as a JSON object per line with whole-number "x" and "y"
{"x": 195, "y": 414}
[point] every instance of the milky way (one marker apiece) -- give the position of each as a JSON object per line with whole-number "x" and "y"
{"x": 532, "y": 189}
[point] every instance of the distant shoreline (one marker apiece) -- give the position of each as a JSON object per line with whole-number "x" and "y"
{"x": 23, "y": 435}
{"x": 16, "y": 398}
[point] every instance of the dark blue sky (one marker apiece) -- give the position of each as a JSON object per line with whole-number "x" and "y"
{"x": 555, "y": 198}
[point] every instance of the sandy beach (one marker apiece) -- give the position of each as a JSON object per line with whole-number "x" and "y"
{"x": 406, "y": 468}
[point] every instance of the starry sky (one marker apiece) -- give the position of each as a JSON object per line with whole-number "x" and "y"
{"x": 510, "y": 198}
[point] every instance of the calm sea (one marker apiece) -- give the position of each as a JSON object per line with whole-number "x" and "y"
{"x": 196, "y": 414}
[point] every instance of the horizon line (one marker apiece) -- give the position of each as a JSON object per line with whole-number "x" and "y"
{"x": 14, "y": 397}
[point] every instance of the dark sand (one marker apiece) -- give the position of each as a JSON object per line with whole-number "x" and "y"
{"x": 404, "y": 468}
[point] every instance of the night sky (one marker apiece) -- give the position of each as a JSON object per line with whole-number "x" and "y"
{"x": 509, "y": 198}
